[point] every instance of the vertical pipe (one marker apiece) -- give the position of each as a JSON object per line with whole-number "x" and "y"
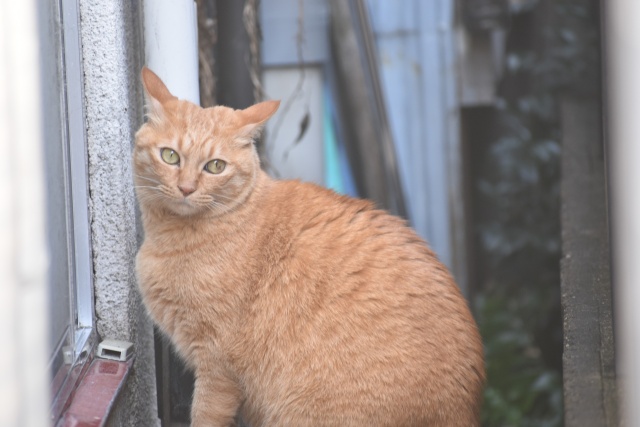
{"x": 171, "y": 51}
{"x": 235, "y": 88}
{"x": 623, "y": 101}
{"x": 171, "y": 45}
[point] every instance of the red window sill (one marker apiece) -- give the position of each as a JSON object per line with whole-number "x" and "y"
{"x": 96, "y": 394}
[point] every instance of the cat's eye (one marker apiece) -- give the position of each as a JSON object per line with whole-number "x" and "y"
{"x": 215, "y": 166}
{"x": 170, "y": 156}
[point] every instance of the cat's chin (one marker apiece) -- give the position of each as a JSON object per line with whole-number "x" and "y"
{"x": 184, "y": 208}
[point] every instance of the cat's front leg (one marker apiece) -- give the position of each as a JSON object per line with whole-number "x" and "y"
{"x": 216, "y": 400}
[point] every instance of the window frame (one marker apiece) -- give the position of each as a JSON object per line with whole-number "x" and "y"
{"x": 79, "y": 351}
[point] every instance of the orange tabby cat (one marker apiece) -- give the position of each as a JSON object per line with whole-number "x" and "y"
{"x": 294, "y": 305}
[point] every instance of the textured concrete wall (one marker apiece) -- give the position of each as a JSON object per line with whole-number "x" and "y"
{"x": 112, "y": 52}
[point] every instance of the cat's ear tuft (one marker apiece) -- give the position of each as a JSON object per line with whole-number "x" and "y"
{"x": 254, "y": 117}
{"x": 156, "y": 94}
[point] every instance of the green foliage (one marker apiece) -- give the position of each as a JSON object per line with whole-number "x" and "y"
{"x": 567, "y": 58}
{"x": 521, "y": 240}
{"x": 520, "y": 182}
{"x": 571, "y": 60}
{"x": 521, "y": 390}
{"x": 519, "y": 230}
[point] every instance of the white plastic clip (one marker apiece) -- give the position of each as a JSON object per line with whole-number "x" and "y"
{"x": 115, "y": 350}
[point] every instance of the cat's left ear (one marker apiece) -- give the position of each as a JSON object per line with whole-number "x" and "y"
{"x": 254, "y": 117}
{"x": 156, "y": 94}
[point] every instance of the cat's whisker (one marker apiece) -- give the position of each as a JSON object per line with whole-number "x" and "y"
{"x": 211, "y": 208}
{"x": 166, "y": 191}
{"x": 227, "y": 209}
{"x": 146, "y": 186}
{"x": 148, "y": 200}
{"x": 148, "y": 179}
{"x": 222, "y": 197}
{"x": 216, "y": 205}
{"x": 150, "y": 196}
{"x": 151, "y": 191}
{"x": 217, "y": 208}
{"x": 148, "y": 192}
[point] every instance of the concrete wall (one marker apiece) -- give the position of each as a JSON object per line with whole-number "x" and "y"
{"x": 589, "y": 365}
{"x": 112, "y": 58}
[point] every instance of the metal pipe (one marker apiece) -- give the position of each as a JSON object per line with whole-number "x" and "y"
{"x": 623, "y": 127}
{"x": 171, "y": 45}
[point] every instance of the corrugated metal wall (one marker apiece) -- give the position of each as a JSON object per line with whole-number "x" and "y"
{"x": 415, "y": 41}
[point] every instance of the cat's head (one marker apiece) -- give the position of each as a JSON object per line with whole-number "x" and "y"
{"x": 190, "y": 160}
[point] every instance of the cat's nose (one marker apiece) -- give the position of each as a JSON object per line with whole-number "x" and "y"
{"x": 186, "y": 189}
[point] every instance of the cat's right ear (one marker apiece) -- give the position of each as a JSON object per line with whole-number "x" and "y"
{"x": 254, "y": 117}
{"x": 156, "y": 94}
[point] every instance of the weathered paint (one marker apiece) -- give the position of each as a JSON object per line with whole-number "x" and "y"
{"x": 415, "y": 41}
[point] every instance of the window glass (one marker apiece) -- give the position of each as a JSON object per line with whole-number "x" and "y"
{"x": 71, "y": 311}
{"x": 57, "y": 200}
{"x": 58, "y": 240}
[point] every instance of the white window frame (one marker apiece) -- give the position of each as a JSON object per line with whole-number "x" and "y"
{"x": 83, "y": 336}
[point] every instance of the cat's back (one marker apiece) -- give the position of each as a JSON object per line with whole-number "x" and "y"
{"x": 370, "y": 312}
{"x": 350, "y": 239}
{"x": 310, "y": 215}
